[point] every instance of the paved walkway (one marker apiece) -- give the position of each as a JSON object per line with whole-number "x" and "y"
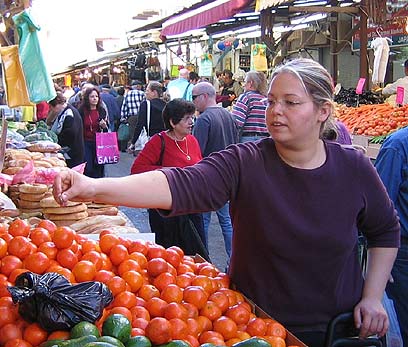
{"x": 139, "y": 217}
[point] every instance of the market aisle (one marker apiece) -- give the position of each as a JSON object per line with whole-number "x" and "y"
{"x": 139, "y": 217}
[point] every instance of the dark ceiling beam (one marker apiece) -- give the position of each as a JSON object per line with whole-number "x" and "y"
{"x": 323, "y": 9}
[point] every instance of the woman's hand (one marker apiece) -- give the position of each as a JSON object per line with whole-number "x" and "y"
{"x": 71, "y": 185}
{"x": 102, "y": 124}
{"x": 371, "y": 318}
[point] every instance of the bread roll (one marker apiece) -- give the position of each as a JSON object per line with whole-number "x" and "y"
{"x": 28, "y": 204}
{"x": 31, "y": 197}
{"x": 35, "y": 188}
{"x": 108, "y": 211}
{"x": 50, "y": 202}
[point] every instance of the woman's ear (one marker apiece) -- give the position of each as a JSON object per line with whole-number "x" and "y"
{"x": 325, "y": 111}
{"x": 172, "y": 124}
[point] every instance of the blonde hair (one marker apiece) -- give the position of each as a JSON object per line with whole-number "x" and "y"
{"x": 316, "y": 82}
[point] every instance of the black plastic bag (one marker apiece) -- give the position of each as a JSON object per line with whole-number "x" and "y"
{"x": 55, "y": 303}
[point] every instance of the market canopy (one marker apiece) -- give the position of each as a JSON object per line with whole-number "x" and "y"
{"x": 203, "y": 16}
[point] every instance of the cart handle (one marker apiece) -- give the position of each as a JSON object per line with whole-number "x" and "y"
{"x": 347, "y": 317}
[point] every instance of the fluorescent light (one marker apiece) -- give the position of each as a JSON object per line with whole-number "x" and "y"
{"x": 251, "y": 34}
{"x": 285, "y": 28}
{"x": 307, "y": 19}
{"x": 314, "y": 3}
{"x": 248, "y": 29}
{"x": 226, "y": 33}
{"x": 247, "y": 14}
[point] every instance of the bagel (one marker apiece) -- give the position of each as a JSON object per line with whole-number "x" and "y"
{"x": 68, "y": 216}
{"x": 28, "y": 204}
{"x": 12, "y": 170}
{"x": 31, "y": 197}
{"x": 31, "y": 210}
{"x": 35, "y": 188}
{"x": 65, "y": 209}
{"x": 49, "y": 202}
{"x": 42, "y": 163}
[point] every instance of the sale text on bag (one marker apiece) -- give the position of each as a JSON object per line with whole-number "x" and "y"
{"x": 108, "y": 160}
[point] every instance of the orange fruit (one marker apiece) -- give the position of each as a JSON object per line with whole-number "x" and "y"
{"x": 10, "y": 331}
{"x": 128, "y": 265}
{"x": 208, "y": 335}
{"x": 126, "y": 299}
{"x": 175, "y": 310}
{"x": 204, "y": 323}
{"x": 10, "y": 263}
{"x": 104, "y": 276}
{"x": 134, "y": 279}
{"x": 67, "y": 258}
{"x": 140, "y": 323}
{"x": 163, "y": 280}
{"x": 171, "y": 293}
{"x": 192, "y": 340}
{"x": 274, "y": 328}
{"x": 173, "y": 257}
{"x": 59, "y": 335}
{"x": 49, "y": 249}
{"x": 107, "y": 241}
{"x": 156, "y": 307}
{"x": 256, "y": 327}
{"x": 139, "y": 258}
{"x": 19, "y": 227}
{"x": 37, "y": 262}
{"x": 123, "y": 311}
{"x": 7, "y": 315}
{"x": 191, "y": 309}
{"x": 204, "y": 282}
{"x": 139, "y": 246}
{"x": 17, "y": 343}
{"x": 226, "y": 327}
{"x": 221, "y": 299}
{"x": 34, "y": 334}
{"x": 94, "y": 257}
{"x": 159, "y": 331}
{"x": 3, "y": 247}
{"x": 156, "y": 266}
{"x": 63, "y": 237}
{"x": 90, "y": 245}
{"x": 148, "y": 291}
{"x": 211, "y": 311}
{"x": 179, "y": 329}
{"x": 39, "y": 235}
{"x": 184, "y": 280}
{"x": 48, "y": 225}
{"x": 195, "y": 295}
{"x": 193, "y": 327}
{"x": 20, "y": 246}
{"x": 118, "y": 253}
{"x": 275, "y": 341}
{"x": 155, "y": 251}
{"x": 140, "y": 312}
{"x": 84, "y": 271}
{"x": 239, "y": 314}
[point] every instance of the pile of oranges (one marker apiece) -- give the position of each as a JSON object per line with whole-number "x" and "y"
{"x": 165, "y": 294}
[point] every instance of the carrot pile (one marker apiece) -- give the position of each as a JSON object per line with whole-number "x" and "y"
{"x": 373, "y": 120}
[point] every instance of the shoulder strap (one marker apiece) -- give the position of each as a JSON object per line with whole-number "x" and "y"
{"x": 148, "y": 116}
{"x": 185, "y": 92}
{"x": 160, "y": 162}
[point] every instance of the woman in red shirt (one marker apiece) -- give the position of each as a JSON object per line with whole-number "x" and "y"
{"x": 175, "y": 147}
{"x": 94, "y": 120}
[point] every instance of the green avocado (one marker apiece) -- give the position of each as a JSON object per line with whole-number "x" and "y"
{"x": 253, "y": 342}
{"x": 117, "y": 325}
{"x": 138, "y": 341}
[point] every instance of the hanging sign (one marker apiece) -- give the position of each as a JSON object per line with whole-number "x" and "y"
{"x": 206, "y": 65}
{"x": 400, "y": 95}
{"x": 360, "y": 86}
{"x": 258, "y": 57}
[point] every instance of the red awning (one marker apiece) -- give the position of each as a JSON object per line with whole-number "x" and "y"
{"x": 203, "y": 16}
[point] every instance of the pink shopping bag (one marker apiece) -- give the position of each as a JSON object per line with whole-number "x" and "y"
{"x": 107, "y": 151}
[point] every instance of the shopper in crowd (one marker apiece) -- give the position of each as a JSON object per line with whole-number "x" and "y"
{"x": 297, "y": 205}
{"x": 391, "y": 89}
{"x": 217, "y": 82}
{"x": 194, "y": 78}
{"x": 130, "y": 109}
{"x": 214, "y": 129}
{"x": 120, "y": 97}
{"x": 231, "y": 89}
{"x": 392, "y": 166}
{"x": 180, "y": 87}
{"x": 68, "y": 126}
{"x": 337, "y": 132}
{"x": 153, "y": 105}
{"x": 249, "y": 110}
{"x": 94, "y": 120}
{"x": 111, "y": 105}
{"x": 178, "y": 149}
{"x": 42, "y": 109}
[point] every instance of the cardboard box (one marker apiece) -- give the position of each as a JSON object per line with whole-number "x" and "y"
{"x": 291, "y": 340}
{"x": 132, "y": 236}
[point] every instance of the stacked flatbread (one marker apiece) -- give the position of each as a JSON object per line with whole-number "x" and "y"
{"x": 63, "y": 215}
{"x": 29, "y": 197}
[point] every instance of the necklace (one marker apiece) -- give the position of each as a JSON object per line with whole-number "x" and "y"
{"x": 185, "y": 153}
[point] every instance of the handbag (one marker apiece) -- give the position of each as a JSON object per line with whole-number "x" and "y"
{"x": 123, "y": 132}
{"x": 107, "y": 151}
{"x": 144, "y": 135}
